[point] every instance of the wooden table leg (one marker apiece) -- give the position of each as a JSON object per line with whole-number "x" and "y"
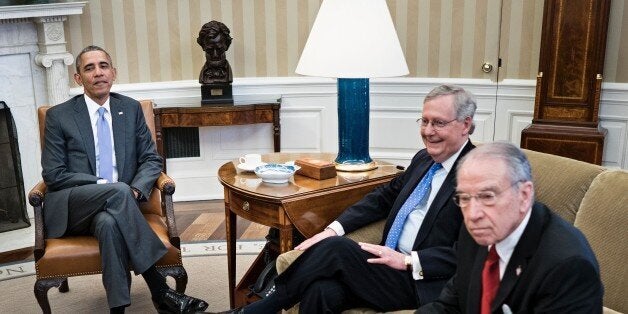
{"x": 230, "y": 223}
{"x": 285, "y": 240}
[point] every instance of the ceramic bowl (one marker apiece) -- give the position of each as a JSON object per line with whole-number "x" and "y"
{"x": 276, "y": 173}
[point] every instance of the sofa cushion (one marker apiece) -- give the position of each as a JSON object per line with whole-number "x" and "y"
{"x": 560, "y": 183}
{"x": 603, "y": 218}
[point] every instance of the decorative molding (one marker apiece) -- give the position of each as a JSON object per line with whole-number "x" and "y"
{"x": 15, "y": 20}
{"x": 41, "y": 10}
{"x": 46, "y": 60}
{"x": 309, "y": 111}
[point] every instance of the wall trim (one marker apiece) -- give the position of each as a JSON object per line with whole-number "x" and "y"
{"x": 309, "y": 105}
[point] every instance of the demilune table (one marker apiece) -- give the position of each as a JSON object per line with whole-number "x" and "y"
{"x": 304, "y": 205}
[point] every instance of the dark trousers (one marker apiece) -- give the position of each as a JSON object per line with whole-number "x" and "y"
{"x": 111, "y": 213}
{"x": 333, "y": 276}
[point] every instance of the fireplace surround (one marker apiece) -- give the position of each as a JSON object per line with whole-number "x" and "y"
{"x": 13, "y": 213}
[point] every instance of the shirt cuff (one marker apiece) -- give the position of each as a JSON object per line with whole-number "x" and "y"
{"x": 102, "y": 181}
{"x": 417, "y": 270}
{"x": 337, "y": 227}
{"x": 139, "y": 197}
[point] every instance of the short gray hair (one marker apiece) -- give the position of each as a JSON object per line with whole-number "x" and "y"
{"x": 464, "y": 102}
{"x": 517, "y": 164}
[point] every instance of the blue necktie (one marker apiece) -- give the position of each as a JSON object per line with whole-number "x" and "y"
{"x": 418, "y": 197}
{"x": 105, "y": 155}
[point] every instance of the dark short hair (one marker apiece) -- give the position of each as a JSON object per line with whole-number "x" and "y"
{"x": 88, "y": 49}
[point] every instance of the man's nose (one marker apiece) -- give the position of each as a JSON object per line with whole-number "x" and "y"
{"x": 475, "y": 209}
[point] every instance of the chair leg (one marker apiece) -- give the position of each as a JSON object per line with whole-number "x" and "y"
{"x": 41, "y": 291}
{"x": 64, "y": 286}
{"x": 178, "y": 273}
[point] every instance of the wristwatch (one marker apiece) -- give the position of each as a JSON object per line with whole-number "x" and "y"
{"x": 408, "y": 262}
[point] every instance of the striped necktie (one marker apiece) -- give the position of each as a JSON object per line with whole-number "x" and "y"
{"x": 418, "y": 197}
{"x": 105, "y": 151}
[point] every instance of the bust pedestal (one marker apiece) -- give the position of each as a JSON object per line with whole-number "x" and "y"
{"x": 212, "y": 94}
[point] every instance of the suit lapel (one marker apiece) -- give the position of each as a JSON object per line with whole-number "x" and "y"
{"x": 525, "y": 249}
{"x": 444, "y": 194}
{"x": 84, "y": 125}
{"x": 475, "y": 283}
{"x": 407, "y": 189}
{"x": 118, "y": 122}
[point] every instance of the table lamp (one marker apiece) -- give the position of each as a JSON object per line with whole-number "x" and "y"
{"x": 353, "y": 40}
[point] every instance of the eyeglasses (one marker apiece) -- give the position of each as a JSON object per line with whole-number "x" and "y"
{"x": 437, "y": 124}
{"x": 487, "y": 198}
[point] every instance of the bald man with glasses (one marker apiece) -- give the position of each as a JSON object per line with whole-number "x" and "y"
{"x": 515, "y": 255}
{"x": 415, "y": 257}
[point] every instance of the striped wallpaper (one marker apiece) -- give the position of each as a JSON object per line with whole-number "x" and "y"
{"x": 155, "y": 40}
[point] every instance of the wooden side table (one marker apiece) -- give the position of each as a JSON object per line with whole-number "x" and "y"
{"x": 216, "y": 115}
{"x": 305, "y": 204}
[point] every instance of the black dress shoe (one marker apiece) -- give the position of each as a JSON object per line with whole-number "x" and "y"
{"x": 173, "y": 302}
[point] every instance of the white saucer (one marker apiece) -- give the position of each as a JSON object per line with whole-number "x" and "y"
{"x": 249, "y": 167}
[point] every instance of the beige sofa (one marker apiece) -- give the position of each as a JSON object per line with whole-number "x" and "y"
{"x": 593, "y": 198}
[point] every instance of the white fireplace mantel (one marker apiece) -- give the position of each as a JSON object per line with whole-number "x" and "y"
{"x": 41, "y": 10}
{"x": 52, "y": 54}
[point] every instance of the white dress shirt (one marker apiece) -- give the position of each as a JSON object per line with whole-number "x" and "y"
{"x": 506, "y": 247}
{"x": 92, "y": 108}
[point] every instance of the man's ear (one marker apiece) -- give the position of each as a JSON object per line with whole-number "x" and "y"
{"x": 526, "y": 191}
{"x": 468, "y": 124}
{"x": 78, "y": 79}
{"x": 115, "y": 73}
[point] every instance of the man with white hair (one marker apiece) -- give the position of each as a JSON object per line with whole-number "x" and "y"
{"x": 515, "y": 255}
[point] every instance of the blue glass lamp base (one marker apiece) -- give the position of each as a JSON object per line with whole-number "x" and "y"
{"x": 353, "y": 126}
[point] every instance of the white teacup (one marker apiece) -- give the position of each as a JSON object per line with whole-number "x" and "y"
{"x": 251, "y": 159}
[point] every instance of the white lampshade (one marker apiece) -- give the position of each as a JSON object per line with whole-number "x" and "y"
{"x": 353, "y": 39}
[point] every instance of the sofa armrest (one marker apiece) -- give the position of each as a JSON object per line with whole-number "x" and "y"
{"x": 371, "y": 233}
{"x": 284, "y": 260}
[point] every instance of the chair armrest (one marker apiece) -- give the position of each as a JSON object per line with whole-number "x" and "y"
{"x": 36, "y": 199}
{"x": 36, "y": 195}
{"x": 165, "y": 184}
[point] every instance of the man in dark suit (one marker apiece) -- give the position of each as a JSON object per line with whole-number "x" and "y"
{"x": 98, "y": 162}
{"x": 515, "y": 255}
{"x": 415, "y": 258}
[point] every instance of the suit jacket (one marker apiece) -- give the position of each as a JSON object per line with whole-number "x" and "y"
{"x": 552, "y": 270}
{"x": 69, "y": 156}
{"x": 438, "y": 232}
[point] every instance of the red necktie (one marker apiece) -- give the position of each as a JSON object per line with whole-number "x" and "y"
{"x": 490, "y": 280}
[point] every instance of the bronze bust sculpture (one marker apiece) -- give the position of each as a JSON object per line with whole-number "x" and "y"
{"x": 214, "y": 38}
